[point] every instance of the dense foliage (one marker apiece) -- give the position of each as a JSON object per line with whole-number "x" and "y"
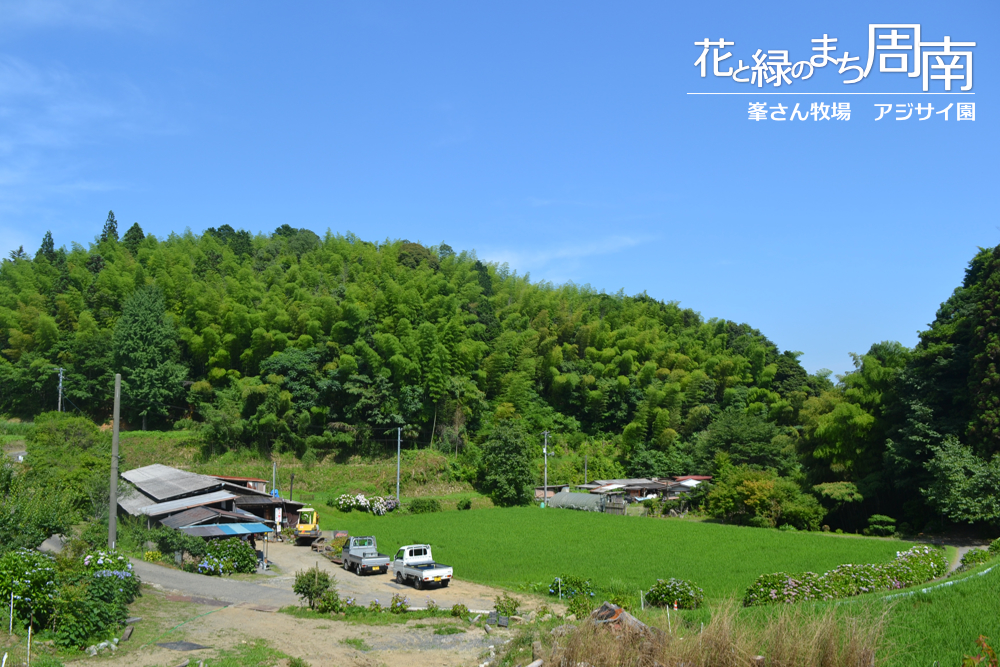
{"x": 79, "y": 598}
{"x": 326, "y": 346}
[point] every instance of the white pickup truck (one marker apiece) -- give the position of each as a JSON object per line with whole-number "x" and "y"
{"x": 415, "y": 563}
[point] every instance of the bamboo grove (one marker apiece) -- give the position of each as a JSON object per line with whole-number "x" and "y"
{"x": 324, "y": 346}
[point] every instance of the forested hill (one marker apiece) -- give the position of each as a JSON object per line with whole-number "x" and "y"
{"x": 307, "y": 338}
{"x": 320, "y": 346}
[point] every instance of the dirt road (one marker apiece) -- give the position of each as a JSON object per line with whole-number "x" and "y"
{"x": 319, "y": 642}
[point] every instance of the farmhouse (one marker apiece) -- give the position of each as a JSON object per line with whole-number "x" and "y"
{"x": 632, "y": 488}
{"x": 200, "y": 504}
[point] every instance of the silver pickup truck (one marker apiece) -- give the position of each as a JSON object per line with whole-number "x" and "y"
{"x": 416, "y": 563}
{"x": 361, "y": 556}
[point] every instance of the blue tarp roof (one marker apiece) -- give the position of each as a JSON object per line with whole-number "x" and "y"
{"x": 226, "y": 529}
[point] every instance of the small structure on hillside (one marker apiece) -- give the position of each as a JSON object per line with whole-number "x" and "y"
{"x": 587, "y": 502}
{"x": 553, "y": 489}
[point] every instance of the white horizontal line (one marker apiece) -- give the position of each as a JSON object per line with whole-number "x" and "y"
{"x": 830, "y": 93}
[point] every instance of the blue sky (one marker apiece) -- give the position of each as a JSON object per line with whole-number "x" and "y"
{"x": 556, "y": 136}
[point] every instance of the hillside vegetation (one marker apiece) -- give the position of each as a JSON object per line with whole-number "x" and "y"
{"x": 290, "y": 344}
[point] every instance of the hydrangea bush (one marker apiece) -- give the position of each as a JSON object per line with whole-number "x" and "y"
{"x": 974, "y": 557}
{"x": 31, "y": 576}
{"x": 667, "y": 591}
{"x": 571, "y": 586}
{"x": 378, "y": 505}
{"x": 235, "y": 554}
{"x": 911, "y": 567}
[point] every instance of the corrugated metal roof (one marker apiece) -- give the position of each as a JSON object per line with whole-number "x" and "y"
{"x": 132, "y": 501}
{"x": 250, "y": 501}
{"x": 165, "y": 483}
{"x": 198, "y": 515}
{"x": 168, "y": 507}
{"x": 243, "y": 490}
{"x": 226, "y": 529}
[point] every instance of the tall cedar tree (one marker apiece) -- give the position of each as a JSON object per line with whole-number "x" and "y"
{"x": 145, "y": 353}
{"x": 110, "y": 230}
{"x": 48, "y": 249}
{"x": 133, "y": 237}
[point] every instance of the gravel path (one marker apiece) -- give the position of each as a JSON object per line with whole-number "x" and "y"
{"x": 219, "y": 588}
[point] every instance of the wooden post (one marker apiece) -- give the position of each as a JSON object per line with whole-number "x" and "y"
{"x": 113, "y": 505}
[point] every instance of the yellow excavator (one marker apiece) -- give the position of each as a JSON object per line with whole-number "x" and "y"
{"x": 307, "y": 529}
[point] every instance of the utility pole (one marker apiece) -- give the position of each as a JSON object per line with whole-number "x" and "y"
{"x": 545, "y": 454}
{"x": 584, "y": 468}
{"x": 291, "y": 485}
{"x": 60, "y": 390}
{"x": 274, "y": 476}
{"x": 399, "y": 444}
{"x": 113, "y": 506}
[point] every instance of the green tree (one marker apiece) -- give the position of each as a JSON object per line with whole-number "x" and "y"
{"x": 110, "y": 230}
{"x": 763, "y": 499}
{"x": 506, "y": 464}
{"x": 145, "y": 351}
{"x": 133, "y": 237}
{"x": 48, "y": 249}
{"x": 70, "y": 453}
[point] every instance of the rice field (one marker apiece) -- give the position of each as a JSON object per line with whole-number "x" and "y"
{"x": 516, "y": 547}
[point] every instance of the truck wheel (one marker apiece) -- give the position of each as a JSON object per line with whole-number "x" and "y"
{"x": 419, "y": 584}
{"x": 399, "y": 578}
{"x": 445, "y": 582}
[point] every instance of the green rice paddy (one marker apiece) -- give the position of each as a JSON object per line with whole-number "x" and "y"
{"x": 519, "y": 546}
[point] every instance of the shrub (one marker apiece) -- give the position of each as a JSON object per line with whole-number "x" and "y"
{"x": 399, "y": 604}
{"x": 506, "y": 605}
{"x": 329, "y": 603}
{"x": 459, "y": 610}
{"x": 881, "y": 525}
{"x": 213, "y": 566}
{"x": 116, "y": 567}
{"x": 375, "y": 607}
{"x": 424, "y": 506}
{"x": 30, "y": 575}
{"x": 974, "y": 557}
{"x": 378, "y": 505}
{"x": 764, "y": 500}
{"x": 311, "y": 584}
{"x": 995, "y": 547}
{"x": 571, "y": 586}
{"x": 909, "y": 568}
{"x": 235, "y": 554}
{"x": 465, "y": 504}
{"x": 666, "y": 591}
{"x": 581, "y": 606}
{"x": 152, "y": 556}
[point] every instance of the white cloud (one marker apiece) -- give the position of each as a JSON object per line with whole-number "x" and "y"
{"x": 559, "y": 263}
{"x": 93, "y": 14}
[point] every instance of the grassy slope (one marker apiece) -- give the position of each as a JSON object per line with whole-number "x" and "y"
{"x": 943, "y": 624}
{"x": 511, "y": 547}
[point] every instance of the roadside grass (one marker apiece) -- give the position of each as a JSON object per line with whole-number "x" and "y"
{"x": 362, "y": 616}
{"x": 356, "y": 643}
{"x": 526, "y": 548}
